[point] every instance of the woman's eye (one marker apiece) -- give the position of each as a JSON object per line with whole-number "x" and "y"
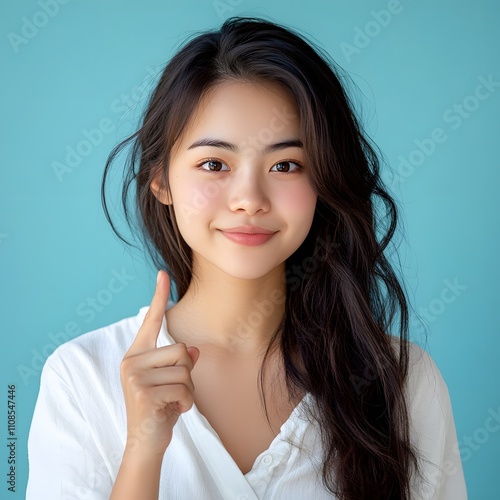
{"x": 287, "y": 166}
{"x": 212, "y": 165}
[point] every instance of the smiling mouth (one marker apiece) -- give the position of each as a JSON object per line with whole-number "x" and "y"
{"x": 247, "y": 229}
{"x": 247, "y": 239}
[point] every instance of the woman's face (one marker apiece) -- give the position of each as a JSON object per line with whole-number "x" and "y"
{"x": 238, "y": 164}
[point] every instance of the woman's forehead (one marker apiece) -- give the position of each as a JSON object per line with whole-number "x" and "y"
{"x": 241, "y": 109}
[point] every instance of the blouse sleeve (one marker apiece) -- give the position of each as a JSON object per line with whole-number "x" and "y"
{"x": 434, "y": 433}
{"x": 64, "y": 462}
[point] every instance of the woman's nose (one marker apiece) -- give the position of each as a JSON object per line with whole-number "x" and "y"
{"x": 247, "y": 192}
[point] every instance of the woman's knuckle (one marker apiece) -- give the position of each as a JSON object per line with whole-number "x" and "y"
{"x": 181, "y": 346}
{"x": 134, "y": 378}
{"x": 142, "y": 396}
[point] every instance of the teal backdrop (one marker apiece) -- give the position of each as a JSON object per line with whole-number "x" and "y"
{"x": 75, "y": 78}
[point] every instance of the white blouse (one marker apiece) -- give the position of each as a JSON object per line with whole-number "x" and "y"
{"x": 78, "y": 434}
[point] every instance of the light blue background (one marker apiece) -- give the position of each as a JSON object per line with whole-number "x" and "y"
{"x": 56, "y": 250}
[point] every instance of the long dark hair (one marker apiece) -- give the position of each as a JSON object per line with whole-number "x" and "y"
{"x": 346, "y": 308}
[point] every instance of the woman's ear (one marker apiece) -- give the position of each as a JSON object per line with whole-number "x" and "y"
{"x": 160, "y": 191}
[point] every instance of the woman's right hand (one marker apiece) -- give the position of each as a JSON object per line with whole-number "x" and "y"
{"x": 156, "y": 382}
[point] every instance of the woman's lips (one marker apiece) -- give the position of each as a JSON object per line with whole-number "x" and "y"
{"x": 248, "y": 239}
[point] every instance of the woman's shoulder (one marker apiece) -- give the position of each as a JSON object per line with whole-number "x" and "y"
{"x": 425, "y": 385}
{"x": 96, "y": 351}
{"x": 432, "y": 429}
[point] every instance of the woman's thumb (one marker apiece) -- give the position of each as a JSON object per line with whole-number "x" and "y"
{"x": 194, "y": 354}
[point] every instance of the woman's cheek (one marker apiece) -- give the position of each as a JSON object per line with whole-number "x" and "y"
{"x": 300, "y": 199}
{"x": 187, "y": 201}
{"x": 195, "y": 198}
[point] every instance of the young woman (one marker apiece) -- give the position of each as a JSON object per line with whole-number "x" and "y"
{"x": 284, "y": 369}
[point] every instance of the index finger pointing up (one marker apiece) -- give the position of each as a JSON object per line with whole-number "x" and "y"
{"x": 145, "y": 339}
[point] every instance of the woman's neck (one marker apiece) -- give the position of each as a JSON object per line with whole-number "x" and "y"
{"x": 229, "y": 314}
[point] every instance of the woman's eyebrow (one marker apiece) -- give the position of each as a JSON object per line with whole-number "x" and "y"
{"x": 270, "y": 148}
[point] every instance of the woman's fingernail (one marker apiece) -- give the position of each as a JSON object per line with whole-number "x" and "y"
{"x": 158, "y": 277}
